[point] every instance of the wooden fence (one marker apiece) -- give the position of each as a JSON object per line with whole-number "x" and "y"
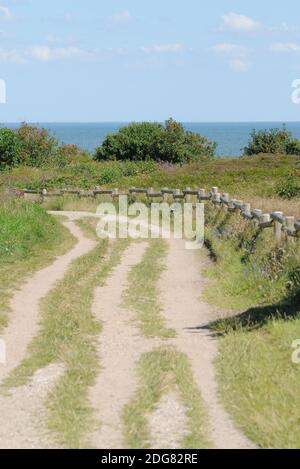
{"x": 277, "y": 220}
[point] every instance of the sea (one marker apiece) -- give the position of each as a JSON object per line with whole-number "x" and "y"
{"x": 231, "y": 137}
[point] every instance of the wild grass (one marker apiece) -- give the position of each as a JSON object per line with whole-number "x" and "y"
{"x": 260, "y": 281}
{"x": 272, "y": 204}
{"x": 88, "y": 225}
{"x": 260, "y": 384}
{"x": 143, "y": 292}
{"x": 250, "y": 269}
{"x": 67, "y": 335}
{"x": 243, "y": 177}
{"x": 71, "y": 203}
{"x": 160, "y": 371}
{"x": 30, "y": 239}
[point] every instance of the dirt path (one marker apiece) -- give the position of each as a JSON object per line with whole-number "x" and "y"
{"x": 168, "y": 424}
{"x": 23, "y": 325}
{"x": 120, "y": 346}
{"x": 184, "y": 311}
{"x": 23, "y": 412}
{"x": 18, "y": 411}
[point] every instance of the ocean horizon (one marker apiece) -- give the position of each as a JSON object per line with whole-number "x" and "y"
{"x": 231, "y": 137}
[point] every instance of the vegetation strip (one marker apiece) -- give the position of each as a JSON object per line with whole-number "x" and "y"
{"x": 68, "y": 333}
{"x": 143, "y": 292}
{"x": 258, "y": 381}
{"x": 29, "y": 240}
{"x": 162, "y": 370}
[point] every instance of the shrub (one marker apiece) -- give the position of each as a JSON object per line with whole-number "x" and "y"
{"x": 289, "y": 187}
{"x": 37, "y": 145}
{"x": 9, "y": 148}
{"x": 134, "y": 142}
{"x": 153, "y": 141}
{"x": 274, "y": 141}
{"x": 293, "y": 147}
{"x": 109, "y": 175}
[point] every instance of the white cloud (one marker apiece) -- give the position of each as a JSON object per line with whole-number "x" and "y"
{"x": 236, "y": 55}
{"x": 228, "y": 48}
{"x": 48, "y": 54}
{"x": 285, "y": 47}
{"x": 240, "y": 65}
{"x": 164, "y": 49}
{"x": 239, "y": 23}
{"x": 5, "y": 14}
{"x": 283, "y": 28}
{"x": 11, "y": 56}
{"x": 122, "y": 17}
{"x": 55, "y": 39}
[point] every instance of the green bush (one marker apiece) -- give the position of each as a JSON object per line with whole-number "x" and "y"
{"x": 9, "y": 148}
{"x": 289, "y": 187}
{"x": 153, "y": 141}
{"x": 37, "y": 145}
{"x": 272, "y": 141}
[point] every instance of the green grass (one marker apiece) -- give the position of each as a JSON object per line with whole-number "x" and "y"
{"x": 162, "y": 370}
{"x": 250, "y": 269}
{"x": 71, "y": 203}
{"x": 143, "y": 292}
{"x": 88, "y": 225}
{"x": 68, "y": 333}
{"x": 240, "y": 176}
{"x": 259, "y": 384}
{"x": 30, "y": 239}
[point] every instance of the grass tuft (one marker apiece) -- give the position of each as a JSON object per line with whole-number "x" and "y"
{"x": 143, "y": 292}
{"x": 160, "y": 371}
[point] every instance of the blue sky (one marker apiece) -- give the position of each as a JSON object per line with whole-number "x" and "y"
{"x": 123, "y": 60}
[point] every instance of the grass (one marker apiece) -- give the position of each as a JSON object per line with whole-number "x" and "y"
{"x": 259, "y": 384}
{"x": 68, "y": 333}
{"x": 88, "y": 225}
{"x": 143, "y": 292}
{"x": 71, "y": 203}
{"x": 160, "y": 371}
{"x": 243, "y": 177}
{"x": 30, "y": 239}
{"x": 250, "y": 269}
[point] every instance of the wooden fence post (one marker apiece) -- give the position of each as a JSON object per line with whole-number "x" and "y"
{"x": 165, "y": 194}
{"x": 246, "y": 208}
{"x": 277, "y": 227}
{"x": 290, "y": 227}
{"x": 188, "y": 196}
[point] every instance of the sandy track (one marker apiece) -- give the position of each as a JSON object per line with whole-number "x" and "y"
{"x": 168, "y": 424}
{"x": 120, "y": 347}
{"x": 187, "y": 314}
{"x": 22, "y": 411}
{"x": 24, "y": 305}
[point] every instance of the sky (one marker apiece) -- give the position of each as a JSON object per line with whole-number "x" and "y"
{"x": 125, "y": 60}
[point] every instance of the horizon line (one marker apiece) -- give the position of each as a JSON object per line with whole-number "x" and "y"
{"x": 139, "y": 121}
